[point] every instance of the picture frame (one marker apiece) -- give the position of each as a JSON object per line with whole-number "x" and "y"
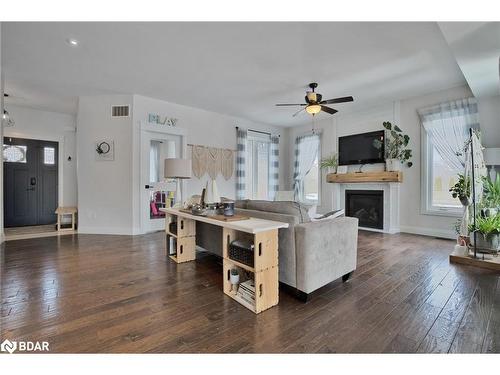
{"x": 105, "y": 150}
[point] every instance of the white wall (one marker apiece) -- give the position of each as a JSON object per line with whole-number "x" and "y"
{"x": 109, "y": 192}
{"x": 204, "y": 128}
{"x": 105, "y": 187}
{"x": 50, "y": 126}
{"x": 489, "y": 111}
{"x": 403, "y": 113}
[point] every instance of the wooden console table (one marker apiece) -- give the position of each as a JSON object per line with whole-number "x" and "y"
{"x": 263, "y": 234}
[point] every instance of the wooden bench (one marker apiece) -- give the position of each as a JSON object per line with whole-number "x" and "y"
{"x": 61, "y": 211}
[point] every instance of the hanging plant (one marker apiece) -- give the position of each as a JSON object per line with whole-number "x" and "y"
{"x": 461, "y": 190}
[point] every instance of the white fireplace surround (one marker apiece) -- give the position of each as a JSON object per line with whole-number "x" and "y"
{"x": 391, "y": 201}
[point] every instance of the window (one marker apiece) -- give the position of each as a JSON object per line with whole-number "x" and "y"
{"x": 445, "y": 131}
{"x": 14, "y": 153}
{"x": 311, "y": 184}
{"x": 49, "y": 156}
{"x": 258, "y": 165}
{"x": 307, "y": 176}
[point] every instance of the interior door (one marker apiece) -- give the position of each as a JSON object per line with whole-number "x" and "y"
{"x": 156, "y": 191}
{"x": 30, "y": 182}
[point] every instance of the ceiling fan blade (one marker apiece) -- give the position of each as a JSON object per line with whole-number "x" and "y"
{"x": 282, "y": 105}
{"x": 296, "y": 113}
{"x": 328, "y": 110}
{"x": 338, "y": 100}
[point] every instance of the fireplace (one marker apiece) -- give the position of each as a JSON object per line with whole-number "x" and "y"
{"x": 367, "y": 206}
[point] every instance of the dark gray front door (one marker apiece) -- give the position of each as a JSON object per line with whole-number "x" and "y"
{"x": 30, "y": 182}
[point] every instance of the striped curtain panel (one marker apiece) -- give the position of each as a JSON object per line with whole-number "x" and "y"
{"x": 274, "y": 164}
{"x": 241, "y": 154}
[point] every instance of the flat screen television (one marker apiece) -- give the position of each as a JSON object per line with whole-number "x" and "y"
{"x": 361, "y": 148}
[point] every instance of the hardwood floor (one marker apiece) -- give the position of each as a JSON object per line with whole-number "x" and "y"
{"x": 95, "y": 293}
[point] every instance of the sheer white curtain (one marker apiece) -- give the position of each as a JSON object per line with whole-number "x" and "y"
{"x": 306, "y": 150}
{"x": 447, "y": 126}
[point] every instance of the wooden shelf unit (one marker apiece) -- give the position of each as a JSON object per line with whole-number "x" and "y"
{"x": 382, "y": 176}
{"x": 264, "y": 271}
{"x": 491, "y": 262}
{"x": 262, "y": 233}
{"x": 185, "y": 238}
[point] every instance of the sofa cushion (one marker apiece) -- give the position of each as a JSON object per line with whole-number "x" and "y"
{"x": 298, "y": 210}
{"x": 329, "y": 215}
{"x": 241, "y": 203}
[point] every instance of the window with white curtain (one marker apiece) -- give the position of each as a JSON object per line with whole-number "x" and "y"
{"x": 257, "y": 165}
{"x": 307, "y": 176}
{"x": 446, "y": 128}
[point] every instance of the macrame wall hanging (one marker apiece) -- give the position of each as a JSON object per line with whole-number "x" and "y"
{"x": 213, "y": 161}
{"x": 199, "y": 161}
{"x": 227, "y": 164}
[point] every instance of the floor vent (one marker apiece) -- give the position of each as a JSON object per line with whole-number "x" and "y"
{"x": 120, "y": 111}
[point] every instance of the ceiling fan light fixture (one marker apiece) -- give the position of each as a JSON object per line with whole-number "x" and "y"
{"x": 313, "y": 109}
{"x": 311, "y": 96}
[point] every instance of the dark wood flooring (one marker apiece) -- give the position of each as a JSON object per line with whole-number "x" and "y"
{"x": 95, "y": 293}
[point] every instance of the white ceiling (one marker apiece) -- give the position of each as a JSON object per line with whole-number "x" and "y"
{"x": 240, "y": 69}
{"x": 476, "y": 46}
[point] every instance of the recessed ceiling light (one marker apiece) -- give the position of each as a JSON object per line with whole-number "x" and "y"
{"x": 72, "y": 42}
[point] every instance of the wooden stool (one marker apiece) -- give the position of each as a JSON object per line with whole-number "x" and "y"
{"x": 61, "y": 211}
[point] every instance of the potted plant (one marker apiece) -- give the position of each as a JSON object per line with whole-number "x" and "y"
{"x": 461, "y": 190}
{"x": 491, "y": 196}
{"x": 234, "y": 279}
{"x": 487, "y": 233}
{"x": 330, "y": 163}
{"x": 463, "y": 242}
{"x": 396, "y": 151}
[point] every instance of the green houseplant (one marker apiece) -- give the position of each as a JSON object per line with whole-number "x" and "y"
{"x": 491, "y": 196}
{"x": 330, "y": 162}
{"x": 487, "y": 233}
{"x": 397, "y": 152}
{"x": 461, "y": 190}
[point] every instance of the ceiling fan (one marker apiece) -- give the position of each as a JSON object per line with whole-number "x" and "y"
{"x": 314, "y": 104}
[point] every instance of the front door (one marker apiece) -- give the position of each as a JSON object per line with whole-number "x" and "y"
{"x": 30, "y": 181}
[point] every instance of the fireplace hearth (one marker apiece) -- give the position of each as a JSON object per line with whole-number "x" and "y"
{"x": 367, "y": 206}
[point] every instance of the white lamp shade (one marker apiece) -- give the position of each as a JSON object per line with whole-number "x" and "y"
{"x": 177, "y": 168}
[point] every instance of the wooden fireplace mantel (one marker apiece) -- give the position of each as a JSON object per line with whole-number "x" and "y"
{"x": 381, "y": 176}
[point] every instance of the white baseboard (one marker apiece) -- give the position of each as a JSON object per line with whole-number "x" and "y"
{"x": 441, "y": 233}
{"x": 105, "y": 230}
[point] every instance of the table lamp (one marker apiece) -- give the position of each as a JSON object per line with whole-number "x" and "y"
{"x": 178, "y": 169}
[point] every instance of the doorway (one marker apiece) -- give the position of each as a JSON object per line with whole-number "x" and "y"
{"x": 156, "y": 192}
{"x": 30, "y": 182}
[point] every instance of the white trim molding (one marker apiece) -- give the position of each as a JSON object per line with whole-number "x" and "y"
{"x": 440, "y": 233}
{"x": 392, "y": 196}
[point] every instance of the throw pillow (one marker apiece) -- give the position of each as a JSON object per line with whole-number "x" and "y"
{"x": 330, "y": 215}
